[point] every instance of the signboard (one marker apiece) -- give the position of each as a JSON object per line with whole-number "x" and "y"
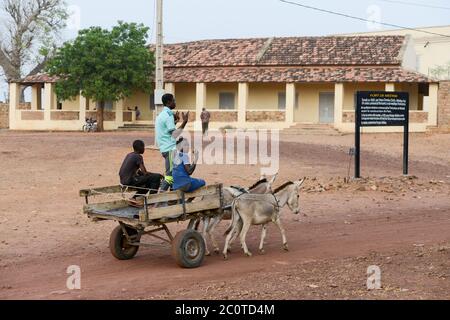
{"x": 381, "y": 109}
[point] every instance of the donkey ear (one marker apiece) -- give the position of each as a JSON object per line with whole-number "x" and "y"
{"x": 299, "y": 183}
{"x": 274, "y": 178}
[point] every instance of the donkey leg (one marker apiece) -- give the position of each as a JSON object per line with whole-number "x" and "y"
{"x": 206, "y": 221}
{"x": 227, "y": 241}
{"x": 215, "y": 221}
{"x": 283, "y": 234}
{"x": 245, "y": 228}
{"x": 263, "y": 237}
{"x": 238, "y": 230}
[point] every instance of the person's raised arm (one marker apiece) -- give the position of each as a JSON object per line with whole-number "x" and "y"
{"x": 176, "y": 133}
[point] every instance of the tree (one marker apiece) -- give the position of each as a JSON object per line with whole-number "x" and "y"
{"x": 28, "y": 34}
{"x": 103, "y": 65}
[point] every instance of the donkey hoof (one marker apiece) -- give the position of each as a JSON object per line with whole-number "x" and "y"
{"x": 217, "y": 251}
{"x": 248, "y": 254}
{"x": 262, "y": 251}
{"x": 285, "y": 247}
{"x": 208, "y": 254}
{"x": 225, "y": 257}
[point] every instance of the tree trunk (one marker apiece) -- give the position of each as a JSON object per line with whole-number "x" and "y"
{"x": 100, "y": 110}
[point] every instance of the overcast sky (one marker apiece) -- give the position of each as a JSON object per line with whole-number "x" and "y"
{"x": 186, "y": 20}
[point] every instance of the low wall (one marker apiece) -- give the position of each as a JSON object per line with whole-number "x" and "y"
{"x": 266, "y": 116}
{"x": 107, "y": 115}
{"x": 224, "y": 116}
{"x": 4, "y": 116}
{"x": 65, "y": 115}
{"x": 31, "y": 115}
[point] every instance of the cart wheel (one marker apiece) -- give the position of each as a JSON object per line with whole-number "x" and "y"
{"x": 118, "y": 244}
{"x": 188, "y": 249}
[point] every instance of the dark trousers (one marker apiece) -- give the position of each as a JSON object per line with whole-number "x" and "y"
{"x": 205, "y": 127}
{"x": 149, "y": 181}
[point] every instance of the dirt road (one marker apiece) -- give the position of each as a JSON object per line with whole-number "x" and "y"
{"x": 401, "y": 225}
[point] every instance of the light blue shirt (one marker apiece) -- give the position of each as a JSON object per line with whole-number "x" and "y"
{"x": 165, "y": 126}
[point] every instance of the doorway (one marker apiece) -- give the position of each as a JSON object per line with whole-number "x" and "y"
{"x": 326, "y": 107}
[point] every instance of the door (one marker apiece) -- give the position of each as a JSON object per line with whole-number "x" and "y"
{"x": 326, "y": 107}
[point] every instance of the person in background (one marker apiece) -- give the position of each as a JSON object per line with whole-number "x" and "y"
{"x": 133, "y": 172}
{"x": 183, "y": 168}
{"x": 205, "y": 117}
{"x": 138, "y": 113}
{"x": 166, "y": 135}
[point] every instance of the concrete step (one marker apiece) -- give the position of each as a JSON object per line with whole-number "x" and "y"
{"x": 137, "y": 127}
{"x": 311, "y": 129}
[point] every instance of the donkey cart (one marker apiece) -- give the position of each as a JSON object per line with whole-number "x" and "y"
{"x": 188, "y": 246}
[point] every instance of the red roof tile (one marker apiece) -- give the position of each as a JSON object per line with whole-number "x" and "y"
{"x": 293, "y": 74}
{"x": 38, "y": 78}
{"x": 299, "y": 51}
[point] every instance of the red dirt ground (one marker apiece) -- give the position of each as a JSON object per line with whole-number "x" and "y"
{"x": 400, "y": 224}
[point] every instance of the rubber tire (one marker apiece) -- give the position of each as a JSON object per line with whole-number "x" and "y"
{"x": 116, "y": 244}
{"x": 179, "y": 249}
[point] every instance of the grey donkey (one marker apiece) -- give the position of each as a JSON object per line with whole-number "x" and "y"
{"x": 261, "y": 209}
{"x": 229, "y": 194}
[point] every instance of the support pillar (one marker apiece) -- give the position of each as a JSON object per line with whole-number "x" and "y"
{"x": 119, "y": 113}
{"x": 200, "y": 103}
{"x": 390, "y": 87}
{"x": 242, "y": 103}
{"x": 35, "y": 97}
{"x": 83, "y": 107}
{"x": 48, "y": 101}
{"x": 338, "y": 104}
{"x": 433, "y": 104}
{"x": 170, "y": 88}
{"x": 14, "y": 100}
{"x": 290, "y": 102}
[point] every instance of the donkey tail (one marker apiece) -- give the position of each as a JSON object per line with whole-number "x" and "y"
{"x": 235, "y": 216}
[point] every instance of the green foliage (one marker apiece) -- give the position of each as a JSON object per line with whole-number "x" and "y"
{"x": 104, "y": 65}
{"x": 441, "y": 72}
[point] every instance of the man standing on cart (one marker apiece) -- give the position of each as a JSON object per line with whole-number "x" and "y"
{"x": 167, "y": 134}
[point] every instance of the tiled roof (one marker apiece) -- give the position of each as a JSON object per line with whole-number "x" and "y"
{"x": 38, "y": 78}
{"x": 294, "y": 74}
{"x": 299, "y": 51}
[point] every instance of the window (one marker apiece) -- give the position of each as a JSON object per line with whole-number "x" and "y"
{"x": 282, "y": 100}
{"x": 226, "y": 100}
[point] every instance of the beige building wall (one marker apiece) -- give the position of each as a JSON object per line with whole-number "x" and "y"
{"x": 185, "y": 94}
{"x": 264, "y": 96}
{"x": 214, "y": 89}
{"x": 307, "y": 110}
{"x": 142, "y": 100}
{"x": 431, "y": 50}
{"x": 350, "y": 90}
{"x": 71, "y": 105}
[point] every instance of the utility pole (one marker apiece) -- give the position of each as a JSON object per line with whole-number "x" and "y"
{"x": 159, "y": 74}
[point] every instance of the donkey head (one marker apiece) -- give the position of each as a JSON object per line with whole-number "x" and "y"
{"x": 293, "y": 201}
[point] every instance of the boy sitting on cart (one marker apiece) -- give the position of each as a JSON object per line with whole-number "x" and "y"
{"x": 183, "y": 168}
{"x": 134, "y": 174}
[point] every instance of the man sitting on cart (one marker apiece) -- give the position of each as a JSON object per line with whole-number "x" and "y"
{"x": 183, "y": 168}
{"x": 134, "y": 174}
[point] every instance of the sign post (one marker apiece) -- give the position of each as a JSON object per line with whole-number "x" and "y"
{"x": 381, "y": 109}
